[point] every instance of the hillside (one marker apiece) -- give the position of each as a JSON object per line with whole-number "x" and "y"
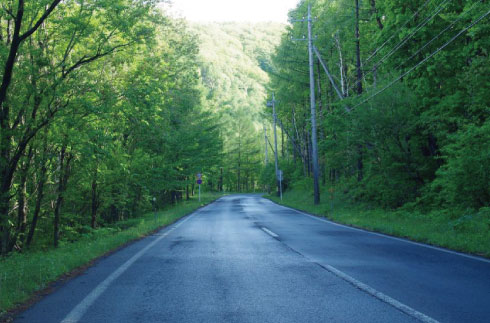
{"x": 231, "y": 60}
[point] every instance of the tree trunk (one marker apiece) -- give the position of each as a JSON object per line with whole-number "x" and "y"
{"x": 341, "y": 67}
{"x": 221, "y": 180}
{"x": 62, "y": 183}
{"x": 22, "y": 194}
{"x": 95, "y": 202}
{"x": 40, "y": 190}
{"x": 374, "y": 10}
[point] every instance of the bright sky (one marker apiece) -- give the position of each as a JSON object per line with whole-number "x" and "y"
{"x": 234, "y": 10}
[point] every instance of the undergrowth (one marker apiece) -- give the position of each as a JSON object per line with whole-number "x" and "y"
{"x": 461, "y": 230}
{"x": 24, "y": 274}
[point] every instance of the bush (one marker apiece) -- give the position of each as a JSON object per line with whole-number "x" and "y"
{"x": 464, "y": 180}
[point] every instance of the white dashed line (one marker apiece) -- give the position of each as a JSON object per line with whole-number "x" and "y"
{"x": 269, "y": 232}
{"x": 364, "y": 287}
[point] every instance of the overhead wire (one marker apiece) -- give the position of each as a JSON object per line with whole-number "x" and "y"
{"x": 396, "y": 32}
{"x": 425, "y": 59}
{"x": 399, "y": 45}
{"x": 410, "y": 35}
{"x": 438, "y": 35}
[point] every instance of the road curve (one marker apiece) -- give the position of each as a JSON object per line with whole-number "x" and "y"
{"x": 246, "y": 259}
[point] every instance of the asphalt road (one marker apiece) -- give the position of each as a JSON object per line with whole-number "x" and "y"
{"x": 246, "y": 259}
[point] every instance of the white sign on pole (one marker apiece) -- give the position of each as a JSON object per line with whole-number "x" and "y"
{"x": 280, "y": 178}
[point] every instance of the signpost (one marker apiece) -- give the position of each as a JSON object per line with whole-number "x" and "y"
{"x": 155, "y": 208}
{"x": 199, "y": 182}
{"x": 280, "y": 179}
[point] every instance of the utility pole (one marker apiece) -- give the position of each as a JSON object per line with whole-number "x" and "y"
{"x": 273, "y": 105}
{"x": 314, "y": 150}
{"x": 360, "y": 164}
{"x": 314, "y": 144}
{"x": 266, "y": 148}
{"x": 358, "y": 52}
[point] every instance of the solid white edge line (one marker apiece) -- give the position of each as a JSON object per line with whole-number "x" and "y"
{"x": 382, "y": 297}
{"x": 456, "y": 253}
{"x": 366, "y": 288}
{"x": 77, "y": 313}
{"x": 269, "y": 232}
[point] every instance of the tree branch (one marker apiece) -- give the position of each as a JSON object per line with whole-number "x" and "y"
{"x": 46, "y": 14}
{"x": 85, "y": 60}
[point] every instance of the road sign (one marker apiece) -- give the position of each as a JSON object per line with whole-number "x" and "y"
{"x": 199, "y": 181}
{"x": 199, "y": 178}
{"x": 280, "y": 179}
{"x": 280, "y": 175}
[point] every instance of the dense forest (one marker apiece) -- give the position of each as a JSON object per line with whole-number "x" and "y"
{"x": 233, "y": 57}
{"x": 403, "y": 118}
{"x": 102, "y": 115}
{"x": 110, "y": 108}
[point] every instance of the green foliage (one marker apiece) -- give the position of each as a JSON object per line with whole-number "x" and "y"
{"x": 464, "y": 180}
{"x": 232, "y": 60}
{"x": 463, "y": 231}
{"x": 25, "y": 273}
{"x": 421, "y": 141}
{"x": 106, "y": 112}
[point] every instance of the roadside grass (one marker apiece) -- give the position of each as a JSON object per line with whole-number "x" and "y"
{"x": 469, "y": 233}
{"x": 24, "y": 274}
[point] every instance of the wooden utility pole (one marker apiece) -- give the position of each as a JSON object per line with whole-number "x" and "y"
{"x": 266, "y": 148}
{"x": 273, "y": 105}
{"x": 314, "y": 148}
{"x": 360, "y": 164}
{"x": 314, "y": 144}
{"x": 358, "y": 52}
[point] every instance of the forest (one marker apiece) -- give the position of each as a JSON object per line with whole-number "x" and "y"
{"x": 231, "y": 61}
{"x": 110, "y": 108}
{"x": 97, "y": 100}
{"x": 402, "y": 103}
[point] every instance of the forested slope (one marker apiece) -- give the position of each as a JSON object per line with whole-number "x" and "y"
{"x": 110, "y": 108}
{"x": 411, "y": 126}
{"x": 232, "y": 60}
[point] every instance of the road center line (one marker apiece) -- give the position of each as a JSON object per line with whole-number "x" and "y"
{"x": 269, "y": 232}
{"x": 77, "y": 313}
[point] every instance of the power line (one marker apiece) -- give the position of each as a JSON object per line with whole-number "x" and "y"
{"x": 429, "y": 42}
{"x": 396, "y": 33}
{"x": 420, "y": 26}
{"x": 439, "y": 35}
{"x": 404, "y": 40}
{"x": 425, "y": 59}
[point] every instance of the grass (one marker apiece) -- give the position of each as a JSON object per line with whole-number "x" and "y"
{"x": 465, "y": 233}
{"x": 22, "y": 275}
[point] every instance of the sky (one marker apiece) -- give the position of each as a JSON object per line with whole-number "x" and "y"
{"x": 234, "y": 10}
